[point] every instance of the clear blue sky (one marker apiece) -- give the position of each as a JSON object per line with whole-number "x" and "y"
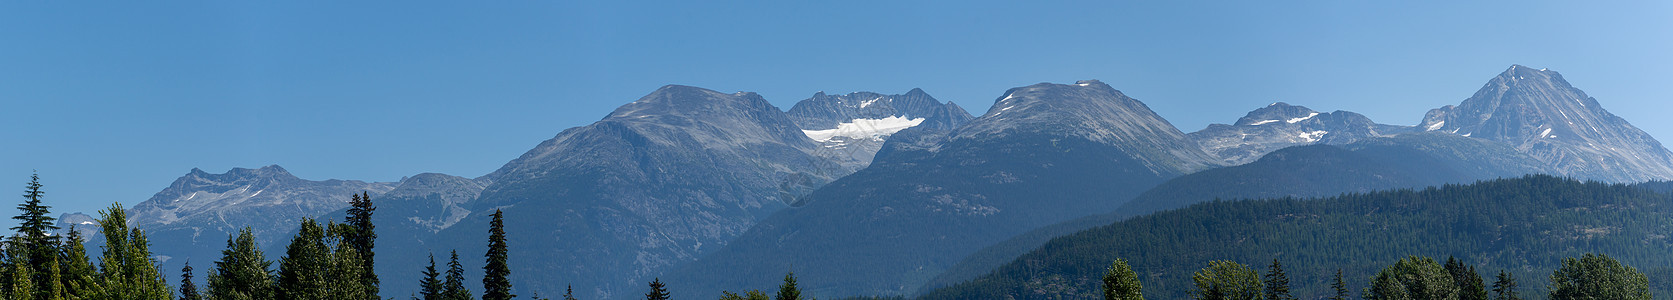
{"x": 113, "y": 100}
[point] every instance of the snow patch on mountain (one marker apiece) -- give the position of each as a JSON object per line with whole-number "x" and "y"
{"x": 865, "y": 129}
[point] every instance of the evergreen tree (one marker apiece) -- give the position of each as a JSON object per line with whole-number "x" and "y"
{"x": 36, "y": 246}
{"x": 1412, "y": 277}
{"x": 345, "y": 266}
{"x": 361, "y": 235}
{"x": 1340, "y": 286}
{"x": 1226, "y": 280}
{"x": 78, "y": 272}
{"x": 21, "y": 284}
{"x": 788, "y": 290}
{"x": 749, "y": 295}
{"x": 569, "y": 293}
{"x": 243, "y": 273}
{"x": 1121, "y": 283}
{"x": 188, "y": 289}
{"x": 658, "y": 291}
{"x": 304, "y": 268}
{"x": 495, "y": 285}
{"x": 1505, "y": 287}
{"x": 1596, "y": 276}
{"x": 430, "y": 288}
{"x": 126, "y": 269}
{"x": 454, "y": 287}
{"x": 1277, "y": 284}
{"x": 1468, "y": 281}
{"x": 54, "y": 284}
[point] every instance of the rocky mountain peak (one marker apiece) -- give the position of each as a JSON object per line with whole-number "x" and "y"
{"x": 1538, "y": 112}
{"x": 850, "y": 129}
{"x": 1277, "y": 112}
{"x": 1091, "y": 110}
{"x": 1281, "y": 125}
{"x": 690, "y": 101}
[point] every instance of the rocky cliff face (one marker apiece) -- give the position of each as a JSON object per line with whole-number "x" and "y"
{"x": 1537, "y": 112}
{"x": 851, "y": 128}
{"x": 1282, "y": 125}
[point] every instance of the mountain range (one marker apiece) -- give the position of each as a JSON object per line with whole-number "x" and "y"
{"x": 872, "y": 194}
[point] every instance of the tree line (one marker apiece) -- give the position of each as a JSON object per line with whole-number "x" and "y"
{"x": 323, "y": 261}
{"x": 1592, "y": 276}
{"x": 1526, "y": 226}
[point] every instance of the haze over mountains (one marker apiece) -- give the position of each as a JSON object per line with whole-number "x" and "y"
{"x": 873, "y": 194}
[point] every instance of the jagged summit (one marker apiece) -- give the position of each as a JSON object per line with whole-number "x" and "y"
{"x": 824, "y": 111}
{"x": 852, "y": 128}
{"x": 1277, "y": 112}
{"x": 1281, "y": 125}
{"x": 1536, "y": 111}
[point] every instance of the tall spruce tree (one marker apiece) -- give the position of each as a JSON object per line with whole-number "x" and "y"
{"x": 126, "y": 269}
{"x": 1340, "y": 286}
{"x": 495, "y": 285}
{"x": 1277, "y": 283}
{"x": 430, "y": 287}
{"x": 361, "y": 235}
{"x": 1469, "y": 282}
{"x": 454, "y": 287}
{"x": 788, "y": 290}
{"x": 1121, "y": 283}
{"x": 243, "y": 273}
{"x": 1504, "y": 288}
{"x": 78, "y": 272}
{"x": 569, "y": 293}
{"x": 37, "y": 246}
{"x": 188, "y": 289}
{"x": 658, "y": 290}
{"x": 304, "y": 268}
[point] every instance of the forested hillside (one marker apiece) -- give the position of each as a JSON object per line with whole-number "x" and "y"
{"x": 1525, "y": 226}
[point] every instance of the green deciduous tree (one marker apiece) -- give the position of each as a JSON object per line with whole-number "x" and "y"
{"x": 1596, "y": 276}
{"x": 126, "y": 269}
{"x": 658, "y": 290}
{"x": 1277, "y": 283}
{"x": 454, "y": 287}
{"x": 1121, "y": 283}
{"x": 243, "y": 273}
{"x": 495, "y": 284}
{"x": 1226, "y": 280}
{"x": 1412, "y": 277}
{"x": 1504, "y": 288}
